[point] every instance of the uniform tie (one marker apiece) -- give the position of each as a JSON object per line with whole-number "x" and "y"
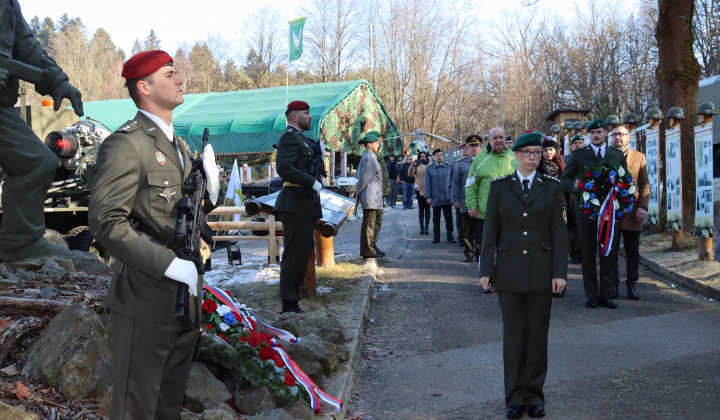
{"x": 599, "y": 155}
{"x": 526, "y": 186}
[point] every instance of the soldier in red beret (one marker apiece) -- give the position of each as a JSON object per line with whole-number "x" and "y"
{"x": 298, "y": 203}
{"x": 139, "y": 173}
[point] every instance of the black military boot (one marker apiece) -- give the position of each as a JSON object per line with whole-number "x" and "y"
{"x": 632, "y": 294}
{"x": 291, "y": 306}
{"x": 614, "y": 289}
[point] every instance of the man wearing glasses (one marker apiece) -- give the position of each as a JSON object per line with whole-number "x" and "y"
{"x": 578, "y": 162}
{"x": 632, "y": 224}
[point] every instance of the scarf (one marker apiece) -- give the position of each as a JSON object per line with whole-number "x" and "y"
{"x": 625, "y": 149}
{"x": 549, "y": 167}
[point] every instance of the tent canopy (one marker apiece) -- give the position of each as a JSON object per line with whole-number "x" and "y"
{"x": 251, "y": 121}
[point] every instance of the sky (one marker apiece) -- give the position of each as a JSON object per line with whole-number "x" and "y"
{"x": 182, "y": 23}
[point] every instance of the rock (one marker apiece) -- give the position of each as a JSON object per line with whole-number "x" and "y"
{"x": 203, "y": 388}
{"x": 313, "y": 348}
{"x": 37, "y": 263}
{"x": 73, "y": 355}
{"x": 88, "y": 263}
{"x": 314, "y": 371}
{"x": 291, "y": 325}
{"x": 6, "y": 283}
{"x": 219, "y": 406}
{"x": 254, "y": 400}
{"x": 185, "y": 415}
{"x": 218, "y": 415}
{"x": 9, "y": 412}
{"x": 326, "y": 327}
{"x": 276, "y": 414}
{"x": 301, "y": 410}
{"x": 48, "y": 292}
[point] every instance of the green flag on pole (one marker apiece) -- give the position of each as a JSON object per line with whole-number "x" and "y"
{"x": 296, "y": 38}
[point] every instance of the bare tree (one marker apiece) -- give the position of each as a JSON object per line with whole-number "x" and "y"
{"x": 329, "y": 34}
{"x": 264, "y": 45}
{"x": 706, "y": 28}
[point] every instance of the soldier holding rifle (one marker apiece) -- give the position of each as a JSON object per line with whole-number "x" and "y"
{"x": 133, "y": 212}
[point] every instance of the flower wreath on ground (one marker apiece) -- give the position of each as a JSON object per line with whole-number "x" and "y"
{"x": 231, "y": 341}
{"x": 611, "y": 183}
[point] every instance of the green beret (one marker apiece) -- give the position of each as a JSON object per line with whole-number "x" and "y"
{"x": 577, "y": 137}
{"x": 528, "y": 139}
{"x": 377, "y": 134}
{"x": 596, "y": 123}
{"x": 370, "y": 137}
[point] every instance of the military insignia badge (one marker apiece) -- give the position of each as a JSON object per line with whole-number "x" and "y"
{"x": 184, "y": 144}
{"x": 160, "y": 157}
{"x": 167, "y": 194}
{"x": 565, "y": 214}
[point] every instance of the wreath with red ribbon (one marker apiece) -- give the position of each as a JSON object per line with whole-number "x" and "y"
{"x": 601, "y": 180}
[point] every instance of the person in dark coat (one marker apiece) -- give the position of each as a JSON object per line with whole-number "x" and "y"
{"x": 392, "y": 170}
{"x": 436, "y": 194}
{"x": 552, "y": 164}
{"x": 580, "y": 160}
{"x": 524, "y": 254}
{"x": 25, "y": 159}
{"x": 369, "y": 189}
{"x": 408, "y": 184}
{"x": 298, "y": 203}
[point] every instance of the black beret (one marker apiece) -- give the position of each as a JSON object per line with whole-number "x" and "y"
{"x": 596, "y": 123}
{"x": 550, "y": 143}
{"x": 436, "y": 151}
{"x": 534, "y": 138}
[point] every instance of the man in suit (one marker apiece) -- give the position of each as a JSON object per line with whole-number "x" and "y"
{"x": 577, "y": 142}
{"x": 386, "y": 189}
{"x": 436, "y": 194}
{"x": 632, "y": 224}
{"x": 298, "y": 203}
{"x": 578, "y": 162}
{"x": 139, "y": 174}
{"x": 524, "y": 253}
{"x": 27, "y": 162}
{"x": 369, "y": 189}
{"x": 464, "y": 151}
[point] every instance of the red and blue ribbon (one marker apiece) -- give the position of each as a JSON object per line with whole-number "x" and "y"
{"x": 606, "y": 221}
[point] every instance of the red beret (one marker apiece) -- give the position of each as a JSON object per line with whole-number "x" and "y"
{"x": 145, "y": 63}
{"x": 297, "y": 106}
{"x": 463, "y": 145}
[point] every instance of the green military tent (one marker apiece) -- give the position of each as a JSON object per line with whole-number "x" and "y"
{"x": 251, "y": 121}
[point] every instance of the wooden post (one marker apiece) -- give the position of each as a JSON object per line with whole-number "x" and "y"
{"x": 324, "y": 250}
{"x": 343, "y": 167}
{"x": 332, "y": 168}
{"x": 273, "y": 170}
{"x": 242, "y": 173}
{"x": 706, "y": 252}
{"x": 307, "y": 288}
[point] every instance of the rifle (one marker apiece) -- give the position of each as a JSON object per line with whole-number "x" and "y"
{"x": 190, "y": 229}
{"x": 20, "y": 70}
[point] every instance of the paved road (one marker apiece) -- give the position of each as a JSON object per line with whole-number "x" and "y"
{"x": 433, "y": 347}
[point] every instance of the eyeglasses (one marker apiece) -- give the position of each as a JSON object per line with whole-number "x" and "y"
{"x": 526, "y": 153}
{"x": 620, "y": 134}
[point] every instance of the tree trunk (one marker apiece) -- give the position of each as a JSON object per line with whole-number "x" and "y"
{"x": 678, "y": 75}
{"x": 37, "y": 307}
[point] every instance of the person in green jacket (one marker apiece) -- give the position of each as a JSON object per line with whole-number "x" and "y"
{"x": 493, "y": 162}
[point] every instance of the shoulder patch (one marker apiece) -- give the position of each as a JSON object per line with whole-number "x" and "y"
{"x": 128, "y": 127}
{"x": 501, "y": 178}
{"x": 551, "y": 178}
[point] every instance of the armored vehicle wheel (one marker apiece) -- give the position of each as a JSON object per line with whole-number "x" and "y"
{"x": 79, "y": 238}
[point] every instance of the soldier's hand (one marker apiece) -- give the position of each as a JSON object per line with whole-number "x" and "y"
{"x": 4, "y": 75}
{"x": 429, "y": 200}
{"x": 558, "y": 285}
{"x": 456, "y": 205}
{"x": 183, "y": 271}
{"x": 66, "y": 90}
{"x": 641, "y": 214}
{"x": 485, "y": 282}
{"x": 472, "y": 213}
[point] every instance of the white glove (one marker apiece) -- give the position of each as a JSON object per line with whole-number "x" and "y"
{"x": 183, "y": 271}
{"x": 317, "y": 186}
{"x": 212, "y": 173}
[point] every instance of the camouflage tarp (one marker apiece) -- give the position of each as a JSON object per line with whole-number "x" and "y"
{"x": 251, "y": 121}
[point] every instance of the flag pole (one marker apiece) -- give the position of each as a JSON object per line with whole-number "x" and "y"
{"x": 287, "y": 69}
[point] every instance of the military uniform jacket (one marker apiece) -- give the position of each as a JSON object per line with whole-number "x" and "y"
{"x": 369, "y": 187}
{"x": 138, "y": 172}
{"x": 17, "y": 41}
{"x": 294, "y": 155}
{"x": 529, "y": 235}
{"x": 580, "y": 159}
{"x": 459, "y": 178}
